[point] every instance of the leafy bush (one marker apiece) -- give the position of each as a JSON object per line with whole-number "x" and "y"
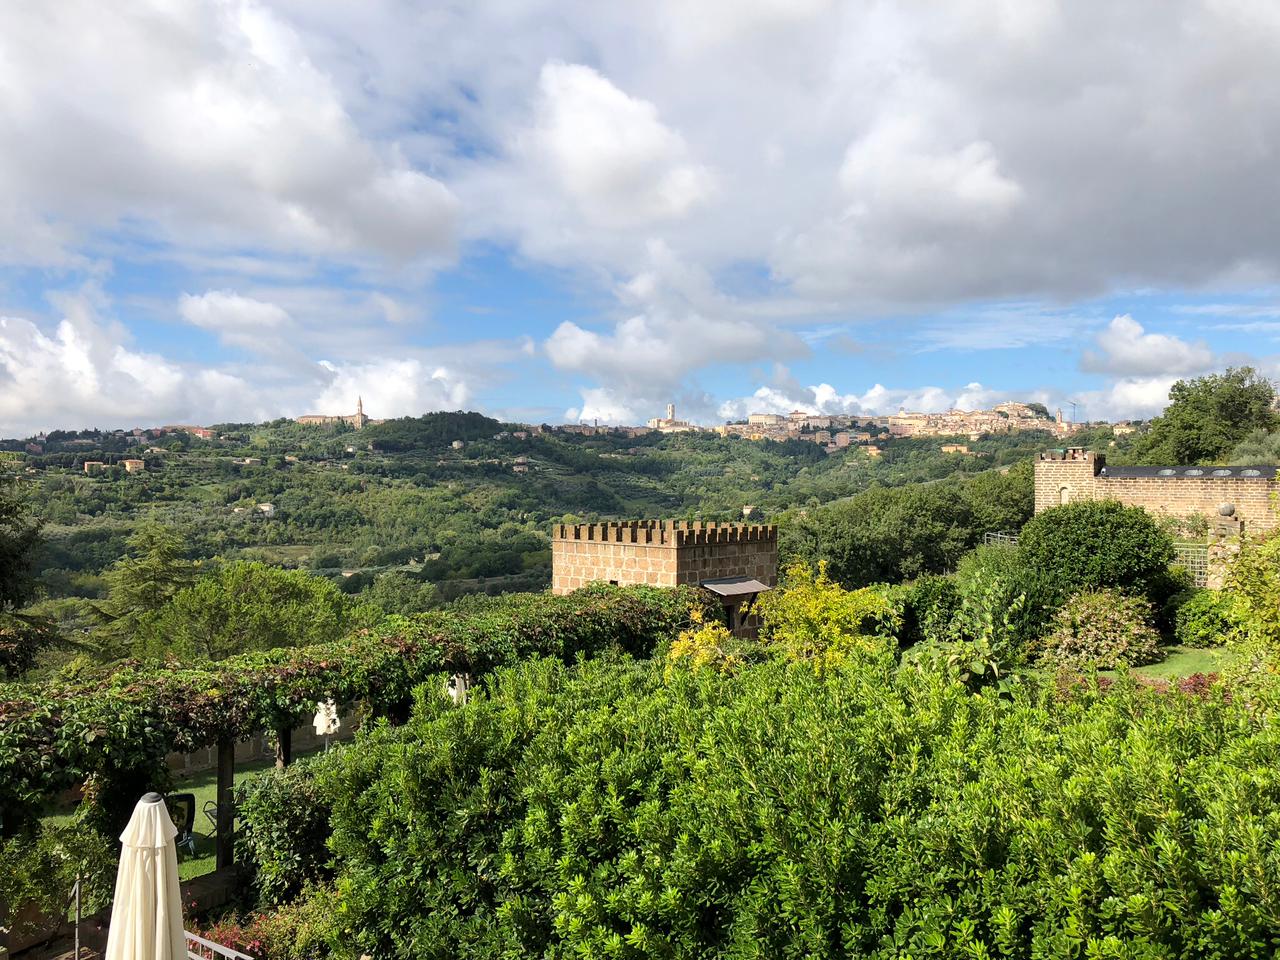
{"x": 1099, "y": 544}
{"x": 600, "y": 810}
{"x": 1104, "y": 629}
{"x": 1205, "y": 618}
{"x": 283, "y": 826}
{"x": 816, "y": 621}
{"x": 929, "y": 604}
{"x": 988, "y": 583}
{"x": 1254, "y": 580}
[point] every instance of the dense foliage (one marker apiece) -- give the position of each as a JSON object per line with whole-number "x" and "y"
{"x": 243, "y": 607}
{"x": 284, "y": 825}
{"x": 119, "y": 726}
{"x": 1206, "y": 618}
{"x": 1208, "y": 417}
{"x": 1101, "y": 629}
{"x": 775, "y": 812}
{"x": 1090, "y": 545}
{"x": 895, "y": 534}
{"x": 21, "y": 637}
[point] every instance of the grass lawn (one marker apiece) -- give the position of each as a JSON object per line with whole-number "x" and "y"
{"x": 205, "y": 787}
{"x": 1183, "y": 662}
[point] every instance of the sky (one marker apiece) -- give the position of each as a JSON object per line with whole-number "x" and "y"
{"x": 562, "y": 211}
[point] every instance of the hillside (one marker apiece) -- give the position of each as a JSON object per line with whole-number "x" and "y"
{"x": 404, "y": 495}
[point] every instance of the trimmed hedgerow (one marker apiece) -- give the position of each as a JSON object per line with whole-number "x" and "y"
{"x": 774, "y": 812}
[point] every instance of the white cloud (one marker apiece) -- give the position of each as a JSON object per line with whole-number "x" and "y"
{"x": 85, "y": 374}
{"x": 1125, "y": 349}
{"x": 392, "y": 388}
{"x": 896, "y": 171}
{"x": 202, "y": 124}
{"x": 610, "y": 153}
{"x": 879, "y": 400}
{"x": 237, "y": 320}
{"x": 1130, "y": 398}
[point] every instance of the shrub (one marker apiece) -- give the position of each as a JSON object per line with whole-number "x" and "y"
{"x": 600, "y": 811}
{"x": 1095, "y": 545}
{"x": 708, "y": 643}
{"x": 117, "y": 727}
{"x": 283, "y": 826}
{"x": 1103, "y": 629}
{"x": 929, "y": 604}
{"x": 1254, "y": 580}
{"x": 988, "y": 583}
{"x": 1205, "y": 618}
{"x": 817, "y": 621}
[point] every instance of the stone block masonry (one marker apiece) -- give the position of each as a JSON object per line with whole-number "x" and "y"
{"x": 1064, "y": 476}
{"x": 661, "y": 553}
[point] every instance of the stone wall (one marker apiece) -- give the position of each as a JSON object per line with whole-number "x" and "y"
{"x": 1070, "y": 475}
{"x": 661, "y": 553}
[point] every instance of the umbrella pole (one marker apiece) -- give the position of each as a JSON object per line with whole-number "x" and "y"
{"x": 77, "y": 916}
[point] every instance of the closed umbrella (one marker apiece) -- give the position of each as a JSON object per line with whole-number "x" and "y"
{"x": 146, "y": 918}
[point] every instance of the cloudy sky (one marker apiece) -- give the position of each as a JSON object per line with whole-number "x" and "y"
{"x": 563, "y": 210}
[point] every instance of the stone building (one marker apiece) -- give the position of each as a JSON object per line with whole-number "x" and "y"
{"x": 134, "y": 466}
{"x": 1063, "y": 476}
{"x": 1233, "y": 500}
{"x": 734, "y": 561}
{"x": 358, "y": 420}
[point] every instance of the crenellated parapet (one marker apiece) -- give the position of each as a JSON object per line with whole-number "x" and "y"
{"x": 661, "y": 552}
{"x": 666, "y": 532}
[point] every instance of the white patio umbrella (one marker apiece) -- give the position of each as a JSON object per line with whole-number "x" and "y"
{"x": 146, "y": 918}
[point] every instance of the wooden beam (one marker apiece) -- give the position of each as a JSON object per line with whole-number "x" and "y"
{"x": 226, "y": 803}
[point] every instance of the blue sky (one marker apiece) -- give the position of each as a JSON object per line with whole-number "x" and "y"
{"x": 550, "y": 211}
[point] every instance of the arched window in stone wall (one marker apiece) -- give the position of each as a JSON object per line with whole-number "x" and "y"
{"x": 1064, "y": 495}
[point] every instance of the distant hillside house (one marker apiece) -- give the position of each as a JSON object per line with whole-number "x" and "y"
{"x": 134, "y": 466}
{"x": 357, "y": 420}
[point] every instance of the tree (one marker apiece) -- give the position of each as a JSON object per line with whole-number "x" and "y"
{"x": 1208, "y": 416}
{"x": 243, "y": 607}
{"x": 140, "y": 584}
{"x": 1257, "y": 447}
{"x": 21, "y": 636}
{"x": 1095, "y": 544}
{"x": 397, "y": 592}
{"x": 894, "y": 534}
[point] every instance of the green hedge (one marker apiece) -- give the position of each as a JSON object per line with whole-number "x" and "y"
{"x": 122, "y": 724}
{"x": 284, "y": 823}
{"x": 599, "y": 811}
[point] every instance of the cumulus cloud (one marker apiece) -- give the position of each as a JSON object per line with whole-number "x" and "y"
{"x": 609, "y": 152}
{"x": 799, "y": 161}
{"x": 201, "y": 124}
{"x": 879, "y": 400}
{"x": 239, "y": 321}
{"x": 84, "y": 373}
{"x": 1125, "y": 349}
{"x": 392, "y": 388}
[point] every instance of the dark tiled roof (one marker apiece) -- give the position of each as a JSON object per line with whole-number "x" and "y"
{"x": 1218, "y": 473}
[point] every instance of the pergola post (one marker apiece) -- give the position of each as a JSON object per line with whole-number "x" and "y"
{"x": 226, "y": 800}
{"x": 284, "y": 747}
